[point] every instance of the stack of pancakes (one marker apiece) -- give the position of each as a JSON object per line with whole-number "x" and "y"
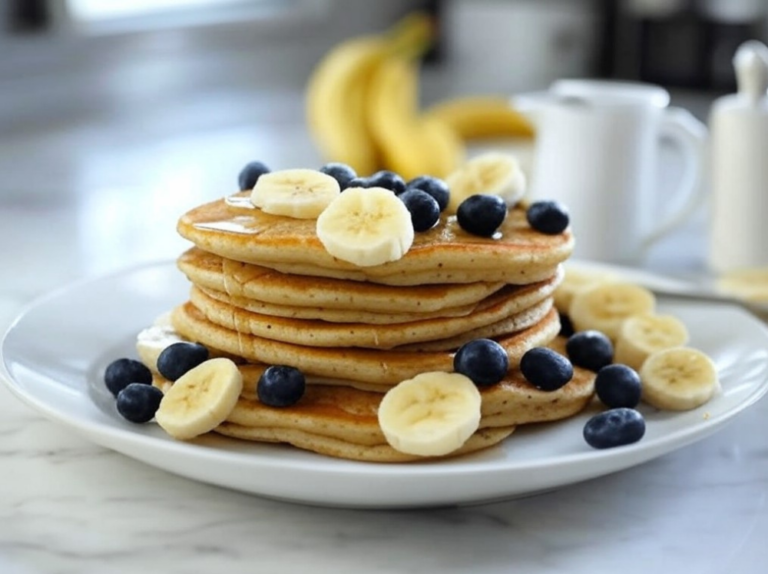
{"x": 265, "y": 292}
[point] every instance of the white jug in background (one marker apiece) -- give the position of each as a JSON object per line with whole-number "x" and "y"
{"x": 739, "y": 127}
{"x": 596, "y": 151}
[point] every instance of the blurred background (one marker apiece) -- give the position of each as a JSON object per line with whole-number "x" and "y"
{"x": 172, "y": 97}
{"x": 99, "y": 93}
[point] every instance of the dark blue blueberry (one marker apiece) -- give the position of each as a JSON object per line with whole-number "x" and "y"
{"x": 614, "y": 427}
{"x": 138, "y": 403}
{"x": 424, "y": 210}
{"x": 437, "y": 188}
{"x": 566, "y": 326}
{"x": 618, "y": 386}
{"x": 176, "y": 359}
{"x": 123, "y": 372}
{"x": 341, "y": 172}
{"x": 482, "y": 360}
{"x": 388, "y": 180}
{"x": 481, "y": 214}
{"x": 250, "y": 174}
{"x": 550, "y": 217}
{"x": 281, "y": 386}
{"x": 545, "y": 369}
{"x": 589, "y": 349}
{"x": 359, "y": 182}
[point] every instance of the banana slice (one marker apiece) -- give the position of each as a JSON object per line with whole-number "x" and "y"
{"x": 200, "y": 400}
{"x": 151, "y": 341}
{"x": 604, "y": 307}
{"x": 643, "y": 335}
{"x": 576, "y": 280}
{"x": 366, "y": 227}
{"x": 492, "y": 173}
{"x": 750, "y": 284}
{"x": 432, "y": 414}
{"x": 299, "y": 193}
{"x": 678, "y": 379}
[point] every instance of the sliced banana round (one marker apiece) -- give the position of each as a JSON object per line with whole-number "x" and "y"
{"x": 201, "y": 399}
{"x": 605, "y": 306}
{"x": 750, "y": 284}
{"x": 151, "y": 341}
{"x": 642, "y": 335}
{"x": 366, "y": 227}
{"x": 491, "y": 173}
{"x": 298, "y": 193}
{"x": 432, "y": 414}
{"x": 575, "y": 280}
{"x": 678, "y": 379}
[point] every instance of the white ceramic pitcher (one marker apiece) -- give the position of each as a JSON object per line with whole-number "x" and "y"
{"x": 596, "y": 151}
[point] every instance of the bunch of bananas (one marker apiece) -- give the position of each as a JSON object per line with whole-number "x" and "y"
{"x": 363, "y": 107}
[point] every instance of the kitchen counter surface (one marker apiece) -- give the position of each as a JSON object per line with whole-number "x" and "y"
{"x": 67, "y": 506}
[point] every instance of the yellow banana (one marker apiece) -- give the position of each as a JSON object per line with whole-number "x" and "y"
{"x": 446, "y": 148}
{"x": 410, "y": 144}
{"x": 338, "y": 90}
{"x": 336, "y": 103}
{"x": 476, "y": 117}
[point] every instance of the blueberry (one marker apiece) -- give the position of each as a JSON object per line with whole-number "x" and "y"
{"x": 359, "y": 182}
{"x": 423, "y": 208}
{"x": 388, "y": 180}
{"x": 618, "y": 386}
{"x": 250, "y": 174}
{"x": 589, "y": 349}
{"x": 138, "y": 403}
{"x": 341, "y": 172}
{"x": 437, "y": 188}
{"x": 280, "y": 386}
{"x": 614, "y": 427}
{"x": 123, "y": 372}
{"x": 176, "y": 359}
{"x": 566, "y": 326}
{"x": 550, "y": 217}
{"x": 481, "y": 214}
{"x": 545, "y": 369}
{"x": 482, "y": 360}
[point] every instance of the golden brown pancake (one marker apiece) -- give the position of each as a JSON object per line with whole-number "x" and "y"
{"x": 334, "y": 315}
{"x": 379, "y": 367}
{"x": 501, "y": 306}
{"x": 234, "y": 229}
{"x": 342, "y": 421}
{"x": 350, "y": 414}
{"x": 482, "y": 439}
{"x": 256, "y": 284}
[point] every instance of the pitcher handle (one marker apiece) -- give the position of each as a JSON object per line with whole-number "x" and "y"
{"x": 690, "y": 135}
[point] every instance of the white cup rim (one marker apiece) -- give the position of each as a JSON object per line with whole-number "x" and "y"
{"x": 615, "y": 92}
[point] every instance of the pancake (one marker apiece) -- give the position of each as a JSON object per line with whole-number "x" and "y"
{"x": 342, "y": 421}
{"x": 520, "y": 296}
{"x": 234, "y": 229}
{"x": 333, "y": 315}
{"x": 481, "y": 439}
{"x": 350, "y": 414}
{"x": 379, "y": 367}
{"x": 257, "y": 284}
{"x": 499, "y": 306}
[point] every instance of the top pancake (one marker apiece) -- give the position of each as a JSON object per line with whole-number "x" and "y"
{"x": 234, "y": 229}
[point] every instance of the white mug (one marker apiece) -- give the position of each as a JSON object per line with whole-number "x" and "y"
{"x": 596, "y": 151}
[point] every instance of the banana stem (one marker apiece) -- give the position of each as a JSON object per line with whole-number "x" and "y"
{"x": 412, "y": 36}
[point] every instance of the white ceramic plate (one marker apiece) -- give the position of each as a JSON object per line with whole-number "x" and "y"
{"x": 55, "y": 353}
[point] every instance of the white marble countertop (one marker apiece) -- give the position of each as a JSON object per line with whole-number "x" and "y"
{"x": 67, "y": 506}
